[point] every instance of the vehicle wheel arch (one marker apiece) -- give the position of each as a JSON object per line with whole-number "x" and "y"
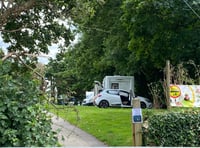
{"x": 104, "y": 104}
{"x": 143, "y": 104}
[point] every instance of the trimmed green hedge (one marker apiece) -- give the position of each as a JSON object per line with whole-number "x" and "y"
{"x": 174, "y": 129}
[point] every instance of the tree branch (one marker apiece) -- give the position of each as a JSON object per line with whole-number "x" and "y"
{"x": 14, "y": 11}
{"x": 14, "y": 30}
{"x": 17, "y": 55}
{"x": 8, "y": 55}
{"x": 37, "y": 73}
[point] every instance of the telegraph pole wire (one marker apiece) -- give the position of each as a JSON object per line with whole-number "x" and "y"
{"x": 192, "y": 9}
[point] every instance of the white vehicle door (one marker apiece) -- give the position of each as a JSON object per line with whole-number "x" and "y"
{"x": 114, "y": 98}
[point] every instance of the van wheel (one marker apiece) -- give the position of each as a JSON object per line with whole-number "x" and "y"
{"x": 143, "y": 105}
{"x": 104, "y": 104}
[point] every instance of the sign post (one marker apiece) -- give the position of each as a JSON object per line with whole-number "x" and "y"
{"x": 137, "y": 122}
{"x": 168, "y": 84}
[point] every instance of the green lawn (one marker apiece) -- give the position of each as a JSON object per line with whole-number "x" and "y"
{"x": 112, "y": 126}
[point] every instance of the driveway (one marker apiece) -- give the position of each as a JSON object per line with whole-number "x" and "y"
{"x": 69, "y": 135}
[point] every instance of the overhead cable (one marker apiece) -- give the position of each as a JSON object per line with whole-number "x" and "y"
{"x": 192, "y": 9}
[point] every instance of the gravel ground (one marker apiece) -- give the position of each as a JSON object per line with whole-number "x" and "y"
{"x": 72, "y": 136}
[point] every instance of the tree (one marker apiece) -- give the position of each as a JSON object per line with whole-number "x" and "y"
{"x": 29, "y": 27}
{"x": 32, "y": 25}
{"x": 161, "y": 30}
{"x": 102, "y": 48}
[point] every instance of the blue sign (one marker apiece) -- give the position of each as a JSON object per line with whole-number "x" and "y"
{"x": 137, "y": 115}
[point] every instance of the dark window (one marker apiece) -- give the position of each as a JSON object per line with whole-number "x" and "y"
{"x": 112, "y": 92}
{"x": 115, "y": 85}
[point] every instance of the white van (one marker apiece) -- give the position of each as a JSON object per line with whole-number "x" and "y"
{"x": 89, "y": 98}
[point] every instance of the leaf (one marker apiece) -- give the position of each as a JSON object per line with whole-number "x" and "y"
{"x": 2, "y": 116}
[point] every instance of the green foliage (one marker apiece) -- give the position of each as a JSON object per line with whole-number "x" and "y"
{"x": 24, "y": 122}
{"x": 157, "y": 93}
{"x": 32, "y": 26}
{"x": 102, "y": 50}
{"x": 185, "y": 73}
{"x": 130, "y": 37}
{"x": 36, "y": 27}
{"x": 160, "y": 30}
{"x": 174, "y": 129}
{"x": 29, "y": 27}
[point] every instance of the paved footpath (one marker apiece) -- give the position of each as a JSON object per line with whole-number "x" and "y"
{"x": 72, "y": 136}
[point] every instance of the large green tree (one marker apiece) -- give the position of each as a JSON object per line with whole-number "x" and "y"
{"x": 29, "y": 27}
{"x": 162, "y": 30}
{"x": 134, "y": 37}
{"x": 32, "y": 26}
{"x": 102, "y": 49}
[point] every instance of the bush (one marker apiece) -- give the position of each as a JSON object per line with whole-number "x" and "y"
{"x": 24, "y": 121}
{"x": 174, "y": 129}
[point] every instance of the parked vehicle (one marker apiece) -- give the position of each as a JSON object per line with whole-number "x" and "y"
{"x": 88, "y": 101}
{"x": 64, "y": 100}
{"x": 118, "y": 97}
{"x": 115, "y": 82}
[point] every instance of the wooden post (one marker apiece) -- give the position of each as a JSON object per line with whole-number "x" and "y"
{"x": 137, "y": 127}
{"x": 168, "y": 84}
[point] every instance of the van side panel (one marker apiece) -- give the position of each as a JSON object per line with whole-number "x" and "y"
{"x": 119, "y": 82}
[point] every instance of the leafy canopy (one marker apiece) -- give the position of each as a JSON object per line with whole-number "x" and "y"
{"x": 29, "y": 27}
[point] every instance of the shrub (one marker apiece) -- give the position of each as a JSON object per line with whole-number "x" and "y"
{"x": 174, "y": 129}
{"x": 24, "y": 121}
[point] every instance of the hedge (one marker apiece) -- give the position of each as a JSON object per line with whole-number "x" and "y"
{"x": 174, "y": 129}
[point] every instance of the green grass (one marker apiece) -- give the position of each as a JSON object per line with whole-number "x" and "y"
{"x": 112, "y": 126}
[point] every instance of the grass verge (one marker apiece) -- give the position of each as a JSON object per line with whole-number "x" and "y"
{"x": 112, "y": 126}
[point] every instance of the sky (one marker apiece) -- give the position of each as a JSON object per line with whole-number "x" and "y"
{"x": 53, "y": 50}
{"x": 2, "y": 44}
{"x": 43, "y": 58}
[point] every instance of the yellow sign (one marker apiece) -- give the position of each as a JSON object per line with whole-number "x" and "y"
{"x": 175, "y": 91}
{"x": 189, "y": 95}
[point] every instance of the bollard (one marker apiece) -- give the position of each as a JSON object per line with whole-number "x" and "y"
{"x": 137, "y": 122}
